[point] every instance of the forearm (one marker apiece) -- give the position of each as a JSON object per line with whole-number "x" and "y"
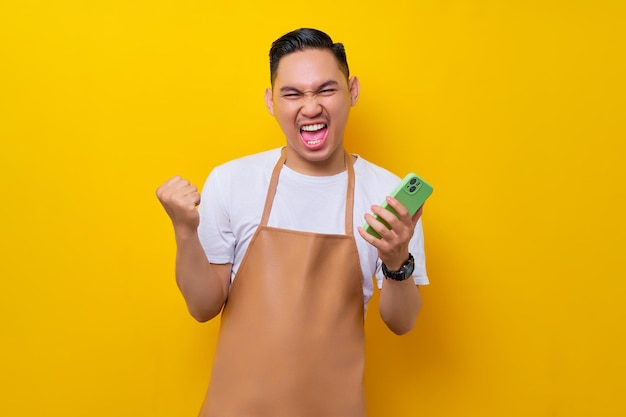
{"x": 400, "y": 303}
{"x": 203, "y": 289}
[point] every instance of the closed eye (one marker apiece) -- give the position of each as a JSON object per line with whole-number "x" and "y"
{"x": 291, "y": 95}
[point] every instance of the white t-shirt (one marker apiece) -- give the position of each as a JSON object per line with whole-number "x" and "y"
{"x": 234, "y": 196}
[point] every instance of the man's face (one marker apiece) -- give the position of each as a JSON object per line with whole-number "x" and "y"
{"x": 311, "y": 100}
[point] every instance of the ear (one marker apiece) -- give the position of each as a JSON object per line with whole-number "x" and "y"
{"x": 354, "y": 87}
{"x": 269, "y": 102}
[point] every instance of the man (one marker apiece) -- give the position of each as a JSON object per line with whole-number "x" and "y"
{"x": 273, "y": 248}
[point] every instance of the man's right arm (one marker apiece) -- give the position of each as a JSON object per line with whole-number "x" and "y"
{"x": 203, "y": 285}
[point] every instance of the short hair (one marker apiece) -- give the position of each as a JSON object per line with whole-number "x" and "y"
{"x": 302, "y": 39}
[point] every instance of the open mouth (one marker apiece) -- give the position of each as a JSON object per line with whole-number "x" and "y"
{"x": 313, "y": 136}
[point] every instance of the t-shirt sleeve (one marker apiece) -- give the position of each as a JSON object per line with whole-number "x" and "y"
{"x": 416, "y": 247}
{"x": 215, "y": 231}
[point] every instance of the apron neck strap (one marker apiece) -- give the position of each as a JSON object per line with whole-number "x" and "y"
{"x": 271, "y": 192}
{"x": 349, "y": 193}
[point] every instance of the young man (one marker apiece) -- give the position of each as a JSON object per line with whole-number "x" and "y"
{"x": 273, "y": 247}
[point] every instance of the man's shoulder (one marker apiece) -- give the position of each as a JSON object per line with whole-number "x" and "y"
{"x": 259, "y": 160}
{"x": 370, "y": 174}
{"x": 248, "y": 166}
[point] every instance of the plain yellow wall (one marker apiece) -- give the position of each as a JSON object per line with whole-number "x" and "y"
{"x": 515, "y": 112}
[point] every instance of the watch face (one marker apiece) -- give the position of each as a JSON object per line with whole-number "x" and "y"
{"x": 410, "y": 266}
{"x": 404, "y": 273}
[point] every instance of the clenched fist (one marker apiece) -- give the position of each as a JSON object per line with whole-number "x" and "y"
{"x": 180, "y": 198}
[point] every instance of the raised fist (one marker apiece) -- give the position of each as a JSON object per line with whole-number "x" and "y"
{"x": 180, "y": 198}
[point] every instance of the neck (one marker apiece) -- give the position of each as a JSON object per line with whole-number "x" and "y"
{"x": 332, "y": 165}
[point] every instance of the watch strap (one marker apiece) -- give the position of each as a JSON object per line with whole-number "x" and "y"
{"x": 405, "y": 271}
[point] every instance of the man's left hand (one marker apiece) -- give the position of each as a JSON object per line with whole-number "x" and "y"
{"x": 393, "y": 245}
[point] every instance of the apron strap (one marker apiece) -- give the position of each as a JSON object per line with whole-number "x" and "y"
{"x": 271, "y": 192}
{"x": 349, "y": 194}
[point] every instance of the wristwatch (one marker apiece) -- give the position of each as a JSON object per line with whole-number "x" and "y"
{"x": 405, "y": 271}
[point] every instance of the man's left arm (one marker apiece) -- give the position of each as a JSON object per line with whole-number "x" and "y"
{"x": 400, "y": 301}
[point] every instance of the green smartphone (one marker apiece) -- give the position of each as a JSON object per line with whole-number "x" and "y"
{"x": 412, "y": 192}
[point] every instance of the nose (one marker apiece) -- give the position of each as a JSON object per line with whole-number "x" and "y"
{"x": 310, "y": 105}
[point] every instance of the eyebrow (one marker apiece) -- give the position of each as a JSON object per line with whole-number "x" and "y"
{"x": 329, "y": 83}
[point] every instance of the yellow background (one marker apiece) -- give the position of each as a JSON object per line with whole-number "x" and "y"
{"x": 513, "y": 110}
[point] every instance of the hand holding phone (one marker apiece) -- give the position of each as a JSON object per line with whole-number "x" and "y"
{"x": 412, "y": 192}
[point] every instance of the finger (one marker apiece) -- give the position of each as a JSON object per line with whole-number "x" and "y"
{"x": 378, "y": 225}
{"x": 174, "y": 183}
{"x": 179, "y": 188}
{"x": 174, "y": 179}
{"x": 402, "y": 211}
{"x": 188, "y": 200}
{"x": 187, "y": 189}
{"x": 192, "y": 194}
{"x": 390, "y": 218}
{"x": 170, "y": 186}
{"x": 372, "y": 240}
{"x": 417, "y": 215}
{"x": 193, "y": 199}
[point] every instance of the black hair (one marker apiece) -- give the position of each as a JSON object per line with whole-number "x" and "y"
{"x": 306, "y": 38}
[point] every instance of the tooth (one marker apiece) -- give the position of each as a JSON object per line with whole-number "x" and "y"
{"x": 312, "y": 128}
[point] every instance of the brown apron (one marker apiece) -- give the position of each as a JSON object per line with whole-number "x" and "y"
{"x": 291, "y": 342}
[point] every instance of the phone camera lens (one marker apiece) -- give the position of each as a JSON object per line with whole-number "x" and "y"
{"x": 413, "y": 181}
{"x": 412, "y": 189}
